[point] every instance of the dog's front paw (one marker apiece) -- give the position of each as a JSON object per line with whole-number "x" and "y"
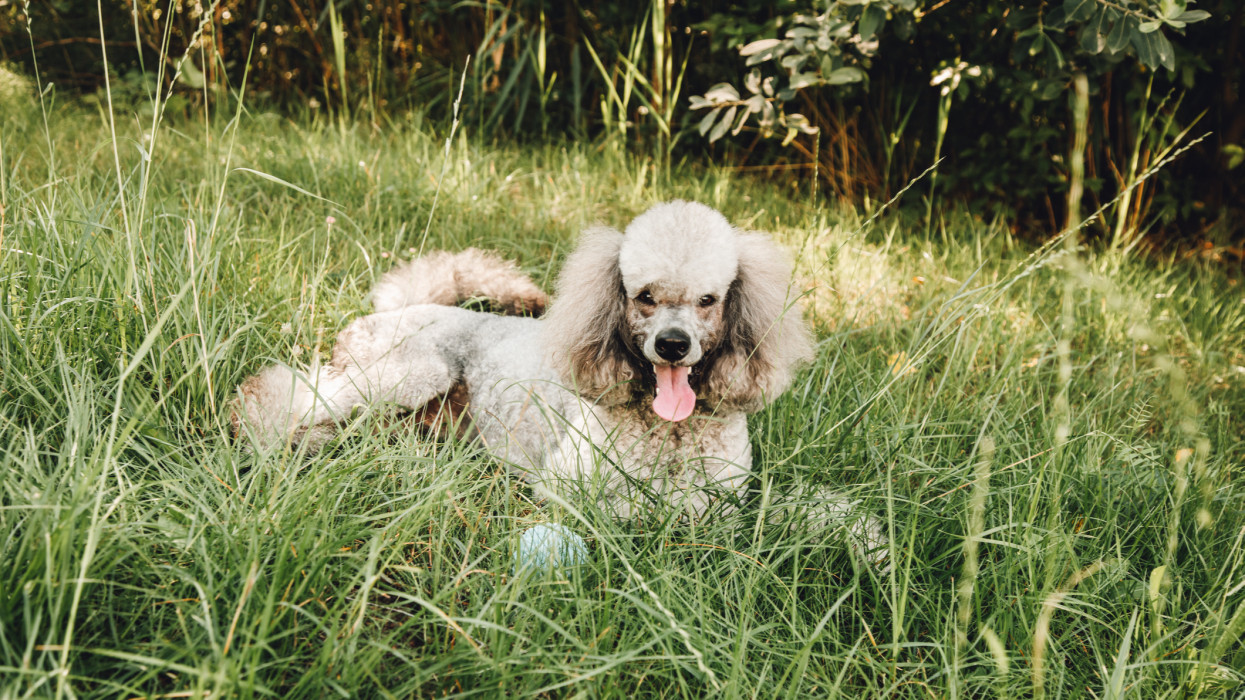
{"x": 869, "y": 540}
{"x": 827, "y": 510}
{"x": 266, "y": 413}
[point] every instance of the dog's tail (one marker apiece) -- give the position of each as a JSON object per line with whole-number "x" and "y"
{"x": 450, "y": 279}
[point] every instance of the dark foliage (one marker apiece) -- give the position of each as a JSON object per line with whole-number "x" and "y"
{"x": 871, "y": 118}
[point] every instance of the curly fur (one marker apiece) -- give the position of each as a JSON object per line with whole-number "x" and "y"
{"x": 585, "y": 331}
{"x": 452, "y": 278}
{"x": 569, "y": 400}
{"x": 765, "y": 337}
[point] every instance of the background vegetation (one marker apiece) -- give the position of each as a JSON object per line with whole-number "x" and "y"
{"x": 1050, "y": 433}
{"x": 859, "y": 75}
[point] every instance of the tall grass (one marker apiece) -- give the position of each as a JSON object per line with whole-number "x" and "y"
{"x": 1089, "y": 545}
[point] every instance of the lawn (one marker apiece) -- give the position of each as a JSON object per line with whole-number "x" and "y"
{"x": 1049, "y": 434}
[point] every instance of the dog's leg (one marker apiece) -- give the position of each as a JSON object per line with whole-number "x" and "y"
{"x": 281, "y": 405}
{"x": 373, "y": 363}
{"x": 826, "y": 509}
{"x": 713, "y": 485}
{"x": 284, "y": 405}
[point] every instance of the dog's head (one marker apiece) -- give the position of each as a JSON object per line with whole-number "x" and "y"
{"x": 681, "y": 309}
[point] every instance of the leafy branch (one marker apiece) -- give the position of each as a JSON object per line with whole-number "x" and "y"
{"x": 835, "y": 48}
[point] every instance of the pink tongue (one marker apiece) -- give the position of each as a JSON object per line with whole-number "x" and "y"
{"x": 675, "y": 398}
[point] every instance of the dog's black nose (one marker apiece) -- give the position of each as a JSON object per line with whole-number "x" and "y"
{"x": 672, "y": 344}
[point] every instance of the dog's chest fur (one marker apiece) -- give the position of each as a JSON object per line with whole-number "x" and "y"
{"x": 628, "y": 456}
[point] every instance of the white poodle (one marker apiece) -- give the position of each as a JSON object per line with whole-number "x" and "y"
{"x": 633, "y": 390}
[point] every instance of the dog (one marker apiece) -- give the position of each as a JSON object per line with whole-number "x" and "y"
{"x": 633, "y": 389}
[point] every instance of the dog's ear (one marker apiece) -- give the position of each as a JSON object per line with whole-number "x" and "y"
{"x": 584, "y": 327}
{"x": 764, "y": 338}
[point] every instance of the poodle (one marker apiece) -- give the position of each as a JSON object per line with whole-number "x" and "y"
{"x": 633, "y": 389}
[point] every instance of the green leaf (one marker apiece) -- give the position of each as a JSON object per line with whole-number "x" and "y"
{"x": 758, "y": 46}
{"x": 1054, "y": 54}
{"x": 752, "y": 81}
{"x": 1163, "y": 48}
{"x": 1049, "y": 89}
{"x": 1057, "y": 19}
{"x": 722, "y": 92}
{"x": 765, "y": 50}
{"x": 799, "y": 81}
{"x": 720, "y": 130}
{"x": 1145, "y": 49}
{"x": 1039, "y": 42}
{"x": 707, "y": 121}
{"x": 739, "y": 123}
{"x": 1079, "y": 10}
{"x": 828, "y": 63}
{"x": 794, "y": 61}
{"x": 846, "y": 74}
{"x": 768, "y": 116}
{"x": 1234, "y": 155}
{"x": 1192, "y": 16}
{"x": 1117, "y": 40}
{"x": 799, "y": 121}
{"x": 839, "y": 29}
{"x": 1147, "y": 27}
{"x": 1091, "y": 39}
{"x": 871, "y": 21}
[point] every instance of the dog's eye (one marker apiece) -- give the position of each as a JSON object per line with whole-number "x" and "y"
{"x": 708, "y": 300}
{"x": 645, "y": 298}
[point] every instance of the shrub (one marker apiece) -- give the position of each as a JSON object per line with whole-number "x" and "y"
{"x": 888, "y": 72}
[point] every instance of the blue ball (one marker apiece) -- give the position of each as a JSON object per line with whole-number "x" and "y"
{"x": 549, "y": 546}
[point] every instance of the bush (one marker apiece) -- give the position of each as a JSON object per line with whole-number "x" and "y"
{"x": 865, "y": 93}
{"x": 876, "y": 90}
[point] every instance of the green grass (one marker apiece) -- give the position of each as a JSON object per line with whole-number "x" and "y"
{"x": 142, "y": 554}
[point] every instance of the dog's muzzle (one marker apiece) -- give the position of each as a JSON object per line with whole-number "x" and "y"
{"x": 672, "y": 344}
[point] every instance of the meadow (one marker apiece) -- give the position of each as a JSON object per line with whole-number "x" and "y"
{"x": 1049, "y": 433}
